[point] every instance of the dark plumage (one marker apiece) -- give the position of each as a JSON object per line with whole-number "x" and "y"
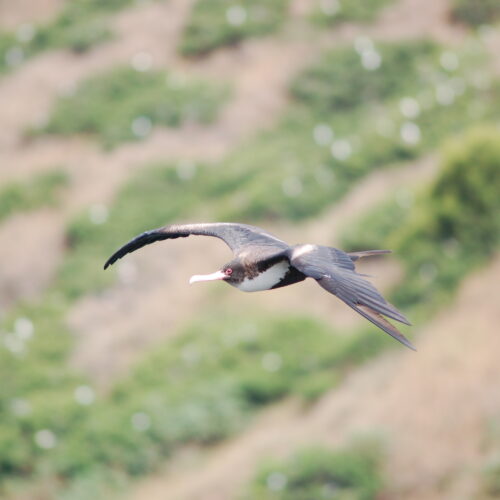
{"x": 263, "y": 261}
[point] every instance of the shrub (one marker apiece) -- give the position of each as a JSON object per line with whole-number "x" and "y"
{"x": 371, "y": 230}
{"x": 36, "y": 406}
{"x": 12, "y": 52}
{"x": 215, "y": 23}
{"x": 319, "y": 473}
{"x": 450, "y": 228}
{"x": 343, "y": 78}
{"x": 124, "y": 104}
{"x": 456, "y": 222}
{"x": 490, "y": 480}
{"x": 42, "y": 190}
{"x": 331, "y": 12}
{"x": 80, "y": 25}
{"x": 71, "y": 31}
{"x": 475, "y": 12}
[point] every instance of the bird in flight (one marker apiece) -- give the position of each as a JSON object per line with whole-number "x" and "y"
{"x": 263, "y": 262}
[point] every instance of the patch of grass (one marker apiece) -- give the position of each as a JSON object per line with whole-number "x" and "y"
{"x": 320, "y": 473}
{"x": 80, "y": 25}
{"x": 475, "y": 12}
{"x": 372, "y": 229}
{"x": 217, "y": 23}
{"x": 350, "y": 77}
{"x": 11, "y": 53}
{"x": 124, "y": 104}
{"x": 490, "y": 480}
{"x": 489, "y": 469}
{"x": 332, "y": 12}
{"x": 72, "y": 31}
{"x": 42, "y": 190}
{"x": 36, "y": 405}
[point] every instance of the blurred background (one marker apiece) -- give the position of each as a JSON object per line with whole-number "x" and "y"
{"x": 352, "y": 123}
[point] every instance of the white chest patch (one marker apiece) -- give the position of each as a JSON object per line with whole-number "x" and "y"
{"x": 266, "y": 279}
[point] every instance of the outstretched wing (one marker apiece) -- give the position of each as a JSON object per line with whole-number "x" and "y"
{"x": 334, "y": 271}
{"x": 236, "y": 236}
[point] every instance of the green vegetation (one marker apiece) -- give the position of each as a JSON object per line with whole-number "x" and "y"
{"x": 438, "y": 241}
{"x": 204, "y": 385}
{"x": 198, "y": 388}
{"x": 80, "y": 25}
{"x": 332, "y": 12}
{"x": 489, "y": 469}
{"x": 10, "y": 52}
{"x": 476, "y": 12}
{"x": 16, "y": 48}
{"x": 350, "y": 78}
{"x": 40, "y": 395}
{"x": 319, "y": 473}
{"x": 124, "y": 104}
{"x": 373, "y": 228}
{"x": 490, "y": 481}
{"x": 215, "y": 23}
{"x": 441, "y": 241}
{"x": 41, "y": 190}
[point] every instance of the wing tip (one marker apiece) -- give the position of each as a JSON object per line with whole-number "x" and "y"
{"x": 111, "y": 260}
{"x": 134, "y": 244}
{"x": 407, "y": 343}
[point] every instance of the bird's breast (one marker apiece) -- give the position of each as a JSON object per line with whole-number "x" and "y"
{"x": 265, "y": 279}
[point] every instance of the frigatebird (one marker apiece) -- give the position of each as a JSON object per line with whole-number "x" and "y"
{"x": 263, "y": 262}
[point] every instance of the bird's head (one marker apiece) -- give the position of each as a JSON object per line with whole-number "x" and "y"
{"x": 233, "y": 272}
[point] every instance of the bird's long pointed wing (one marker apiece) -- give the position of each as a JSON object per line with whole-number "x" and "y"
{"x": 326, "y": 266}
{"x": 236, "y": 236}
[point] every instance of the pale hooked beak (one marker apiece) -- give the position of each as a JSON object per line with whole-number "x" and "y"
{"x": 219, "y": 275}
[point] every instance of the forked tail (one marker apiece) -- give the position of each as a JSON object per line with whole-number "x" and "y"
{"x": 366, "y": 253}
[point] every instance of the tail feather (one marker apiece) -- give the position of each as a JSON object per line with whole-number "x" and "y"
{"x": 366, "y": 253}
{"x": 371, "y": 315}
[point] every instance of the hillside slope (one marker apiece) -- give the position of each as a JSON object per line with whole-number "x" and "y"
{"x": 432, "y": 407}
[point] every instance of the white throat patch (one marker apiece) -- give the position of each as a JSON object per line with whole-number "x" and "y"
{"x": 266, "y": 279}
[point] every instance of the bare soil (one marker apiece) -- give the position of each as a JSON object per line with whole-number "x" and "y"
{"x": 32, "y": 245}
{"x": 19, "y": 12}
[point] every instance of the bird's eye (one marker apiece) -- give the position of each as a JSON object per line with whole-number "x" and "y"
{"x": 228, "y": 271}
